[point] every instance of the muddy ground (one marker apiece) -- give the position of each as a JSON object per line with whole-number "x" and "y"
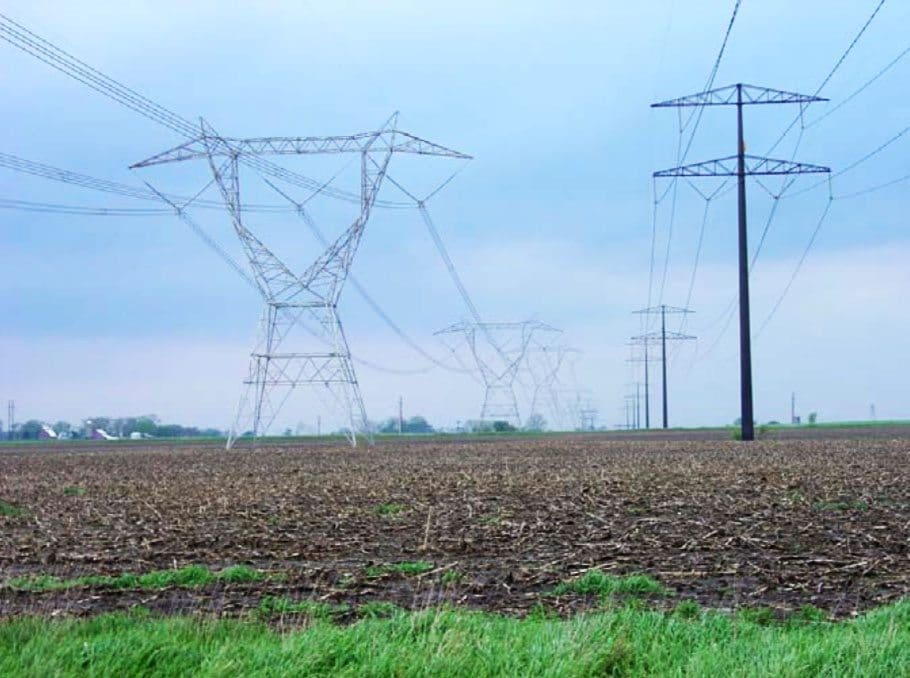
{"x": 780, "y": 523}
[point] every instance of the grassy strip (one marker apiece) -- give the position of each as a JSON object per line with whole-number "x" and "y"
{"x": 389, "y": 509}
{"x": 10, "y": 510}
{"x": 272, "y": 607}
{"x": 186, "y": 577}
{"x": 596, "y": 582}
{"x": 628, "y": 641}
{"x": 275, "y": 606}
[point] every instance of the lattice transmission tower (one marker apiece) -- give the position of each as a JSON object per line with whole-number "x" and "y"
{"x": 546, "y": 361}
{"x": 499, "y": 350}
{"x": 308, "y": 299}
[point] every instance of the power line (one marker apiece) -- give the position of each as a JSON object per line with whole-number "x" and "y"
{"x": 25, "y": 166}
{"x": 787, "y": 182}
{"x": 786, "y": 185}
{"x": 701, "y": 237}
{"x": 449, "y": 264}
{"x": 62, "y": 61}
{"x": 837, "y": 65}
{"x": 861, "y": 89}
{"x": 361, "y": 290}
{"x": 710, "y": 81}
{"x": 727, "y": 314}
{"x": 873, "y": 189}
{"x": 20, "y": 164}
{"x": 54, "y": 56}
{"x": 870, "y": 154}
{"x": 850, "y": 47}
{"x": 681, "y": 156}
{"x": 800, "y": 118}
{"x": 799, "y": 265}
{"x": 853, "y": 165}
{"x": 83, "y": 210}
{"x": 654, "y": 207}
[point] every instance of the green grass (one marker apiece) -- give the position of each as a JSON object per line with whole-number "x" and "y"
{"x": 458, "y": 643}
{"x": 73, "y": 491}
{"x": 191, "y": 576}
{"x": 452, "y": 577}
{"x": 595, "y": 582}
{"x": 389, "y": 509}
{"x": 379, "y": 609}
{"x": 688, "y": 609}
{"x": 274, "y": 606}
{"x": 10, "y": 510}
{"x": 405, "y": 568}
{"x": 857, "y": 505}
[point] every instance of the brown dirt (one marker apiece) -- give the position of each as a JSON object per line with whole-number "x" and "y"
{"x": 777, "y": 522}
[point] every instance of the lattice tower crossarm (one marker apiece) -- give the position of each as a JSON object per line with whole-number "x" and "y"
{"x": 307, "y": 300}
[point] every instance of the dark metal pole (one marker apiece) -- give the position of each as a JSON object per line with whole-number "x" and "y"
{"x": 745, "y": 331}
{"x": 647, "y": 392}
{"x": 637, "y": 405}
{"x": 663, "y": 357}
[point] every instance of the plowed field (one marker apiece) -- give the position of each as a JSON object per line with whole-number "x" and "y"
{"x": 777, "y": 523}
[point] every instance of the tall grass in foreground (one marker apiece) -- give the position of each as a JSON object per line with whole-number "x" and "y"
{"x": 458, "y": 643}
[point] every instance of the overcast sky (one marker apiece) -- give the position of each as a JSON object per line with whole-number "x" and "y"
{"x": 552, "y": 220}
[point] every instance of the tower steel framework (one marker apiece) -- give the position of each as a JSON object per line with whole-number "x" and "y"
{"x": 290, "y": 299}
{"x": 545, "y": 362}
{"x": 506, "y": 351}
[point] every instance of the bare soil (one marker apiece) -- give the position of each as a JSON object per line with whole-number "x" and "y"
{"x": 776, "y": 522}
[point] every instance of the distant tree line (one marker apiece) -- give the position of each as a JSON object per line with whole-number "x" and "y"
{"x": 150, "y": 426}
{"x": 416, "y": 424}
{"x": 121, "y": 427}
{"x": 499, "y": 426}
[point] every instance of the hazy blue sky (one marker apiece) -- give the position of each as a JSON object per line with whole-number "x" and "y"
{"x": 552, "y": 219}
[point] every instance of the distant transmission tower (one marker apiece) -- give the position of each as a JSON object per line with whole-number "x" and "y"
{"x": 633, "y": 403}
{"x": 741, "y": 166}
{"x": 662, "y": 336}
{"x": 588, "y": 414}
{"x": 499, "y": 350}
{"x": 10, "y": 419}
{"x": 545, "y": 361}
{"x": 646, "y": 359}
{"x": 275, "y": 370}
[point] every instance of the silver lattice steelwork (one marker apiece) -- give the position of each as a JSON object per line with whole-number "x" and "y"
{"x": 282, "y": 361}
{"x": 499, "y": 350}
{"x": 545, "y": 363}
